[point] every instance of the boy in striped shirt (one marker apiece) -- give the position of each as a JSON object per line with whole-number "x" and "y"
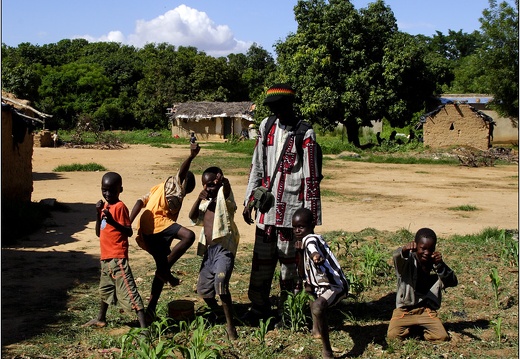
{"x": 321, "y": 273}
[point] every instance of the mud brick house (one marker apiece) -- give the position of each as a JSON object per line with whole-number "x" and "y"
{"x": 210, "y": 120}
{"x": 18, "y": 122}
{"x": 457, "y": 124}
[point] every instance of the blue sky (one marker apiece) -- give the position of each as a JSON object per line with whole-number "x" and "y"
{"x": 217, "y": 27}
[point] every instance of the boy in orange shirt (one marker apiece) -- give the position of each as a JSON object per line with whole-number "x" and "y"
{"x": 113, "y": 228}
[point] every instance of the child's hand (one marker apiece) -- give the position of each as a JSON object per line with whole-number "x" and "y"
{"x": 317, "y": 258}
{"x": 203, "y": 194}
{"x": 436, "y": 258}
{"x": 412, "y": 246}
{"x": 108, "y": 216}
{"x": 219, "y": 179}
{"x": 99, "y": 205}
{"x": 194, "y": 150}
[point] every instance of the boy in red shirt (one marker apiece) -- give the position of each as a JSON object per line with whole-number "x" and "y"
{"x": 113, "y": 228}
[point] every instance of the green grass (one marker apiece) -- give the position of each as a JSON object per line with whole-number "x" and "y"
{"x": 401, "y": 158}
{"x": 357, "y": 325}
{"x": 464, "y": 208}
{"x": 79, "y": 167}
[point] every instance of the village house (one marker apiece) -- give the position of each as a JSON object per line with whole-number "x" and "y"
{"x": 466, "y": 120}
{"x": 457, "y": 124}
{"x": 211, "y": 120}
{"x": 18, "y": 122}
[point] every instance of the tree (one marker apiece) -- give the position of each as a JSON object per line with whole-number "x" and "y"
{"x": 352, "y": 67}
{"x": 499, "y": 25}
{"x": 72, "y": 90}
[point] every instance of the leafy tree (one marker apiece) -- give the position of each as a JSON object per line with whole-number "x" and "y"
{"x": 71, "y": 90}
{"x": 352, "y": 67}
{"x": 499, "y": 25}
{"x": 21, "y": 72}
{"x": 165, "y": 81}
{"x": 456, "y": 44}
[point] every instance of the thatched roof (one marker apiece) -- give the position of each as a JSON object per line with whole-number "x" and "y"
{"x": 22, "y": 107}
{"x": 206, "y": 109}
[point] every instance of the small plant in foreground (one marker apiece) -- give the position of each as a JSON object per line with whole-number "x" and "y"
{"x": 510, "y": 248}
{"x": 78, "y": 167}
{"x": 497, "y": 327}
{"x": 199, "y": 347}
{"x": 262, "y": 330}
{"x": 356, "y": 286}
{"x": 295, "y": 310}
{"x": 495, "y": 283}
{"x": 373, "y": 263}
{"x": 148, "y": 342}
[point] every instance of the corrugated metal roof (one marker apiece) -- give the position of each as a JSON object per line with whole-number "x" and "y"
{"x": 462, "y": 98}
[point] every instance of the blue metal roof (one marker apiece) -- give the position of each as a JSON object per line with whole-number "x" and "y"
{"x": 465, "y": 99}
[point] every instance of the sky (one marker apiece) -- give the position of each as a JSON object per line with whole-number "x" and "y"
{"x": 217, "y": 27}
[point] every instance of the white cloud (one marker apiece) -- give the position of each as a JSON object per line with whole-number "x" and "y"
{"x": 182, "y": 26}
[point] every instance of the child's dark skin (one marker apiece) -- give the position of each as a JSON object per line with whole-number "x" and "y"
{"x": 425, "y": 252}
{"x": 111, "y": 187}
{"x": 302, "y": 226}
{"x": 211, "y": 185}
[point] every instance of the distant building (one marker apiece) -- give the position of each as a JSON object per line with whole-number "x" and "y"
{"x": 457, "y": 124}
{"x": 210, "y": 120}
{"x": 505, "y": 130}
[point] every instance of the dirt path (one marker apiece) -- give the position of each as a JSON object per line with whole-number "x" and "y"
{"x": 355, "y": 196}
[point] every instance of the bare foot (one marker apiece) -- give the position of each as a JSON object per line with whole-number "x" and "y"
{"x": 315, "y": 334}
{"x": 327, "y": 354}
{"x": 95, "y": 323}
{"x": 232, "y": 332}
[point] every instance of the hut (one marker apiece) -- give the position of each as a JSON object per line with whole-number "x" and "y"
{"x": 18, "y": 122}
{"x": 457, "y": 124}
{"x": 210, "y": 120}
{"x": 505, "y": 129}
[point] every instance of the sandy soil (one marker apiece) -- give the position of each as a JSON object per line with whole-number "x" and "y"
{"x": 355, "y": 196}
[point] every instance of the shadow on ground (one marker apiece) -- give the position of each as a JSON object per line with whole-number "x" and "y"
{"x": 36, "y": 278}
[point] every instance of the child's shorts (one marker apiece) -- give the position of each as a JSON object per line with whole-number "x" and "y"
{"x": 215, "y": 271}
{"x": 332, "y": 294}
{"x": 159, "y": 243}
{"x": 117, "y": 285}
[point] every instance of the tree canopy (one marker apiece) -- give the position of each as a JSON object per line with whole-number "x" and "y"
{"x": 348, "y": 66}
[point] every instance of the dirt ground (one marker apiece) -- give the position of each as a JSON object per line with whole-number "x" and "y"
{"x": 355, "y": 196}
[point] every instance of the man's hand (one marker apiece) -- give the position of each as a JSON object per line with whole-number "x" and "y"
{"x": 247, "y": 215}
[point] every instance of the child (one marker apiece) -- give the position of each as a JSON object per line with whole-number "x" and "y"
{"x": 419, "y": 288}
{"x": 157, "y": 226}
{"x": 215, "y": 209}
{"x": 113, "y": 228}
{"x": 321, "y": 273}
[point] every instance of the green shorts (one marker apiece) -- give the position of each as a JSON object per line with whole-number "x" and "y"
{"x": 117, "y": 285}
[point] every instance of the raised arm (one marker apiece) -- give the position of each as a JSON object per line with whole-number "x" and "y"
{"x": 185, "y": 166}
